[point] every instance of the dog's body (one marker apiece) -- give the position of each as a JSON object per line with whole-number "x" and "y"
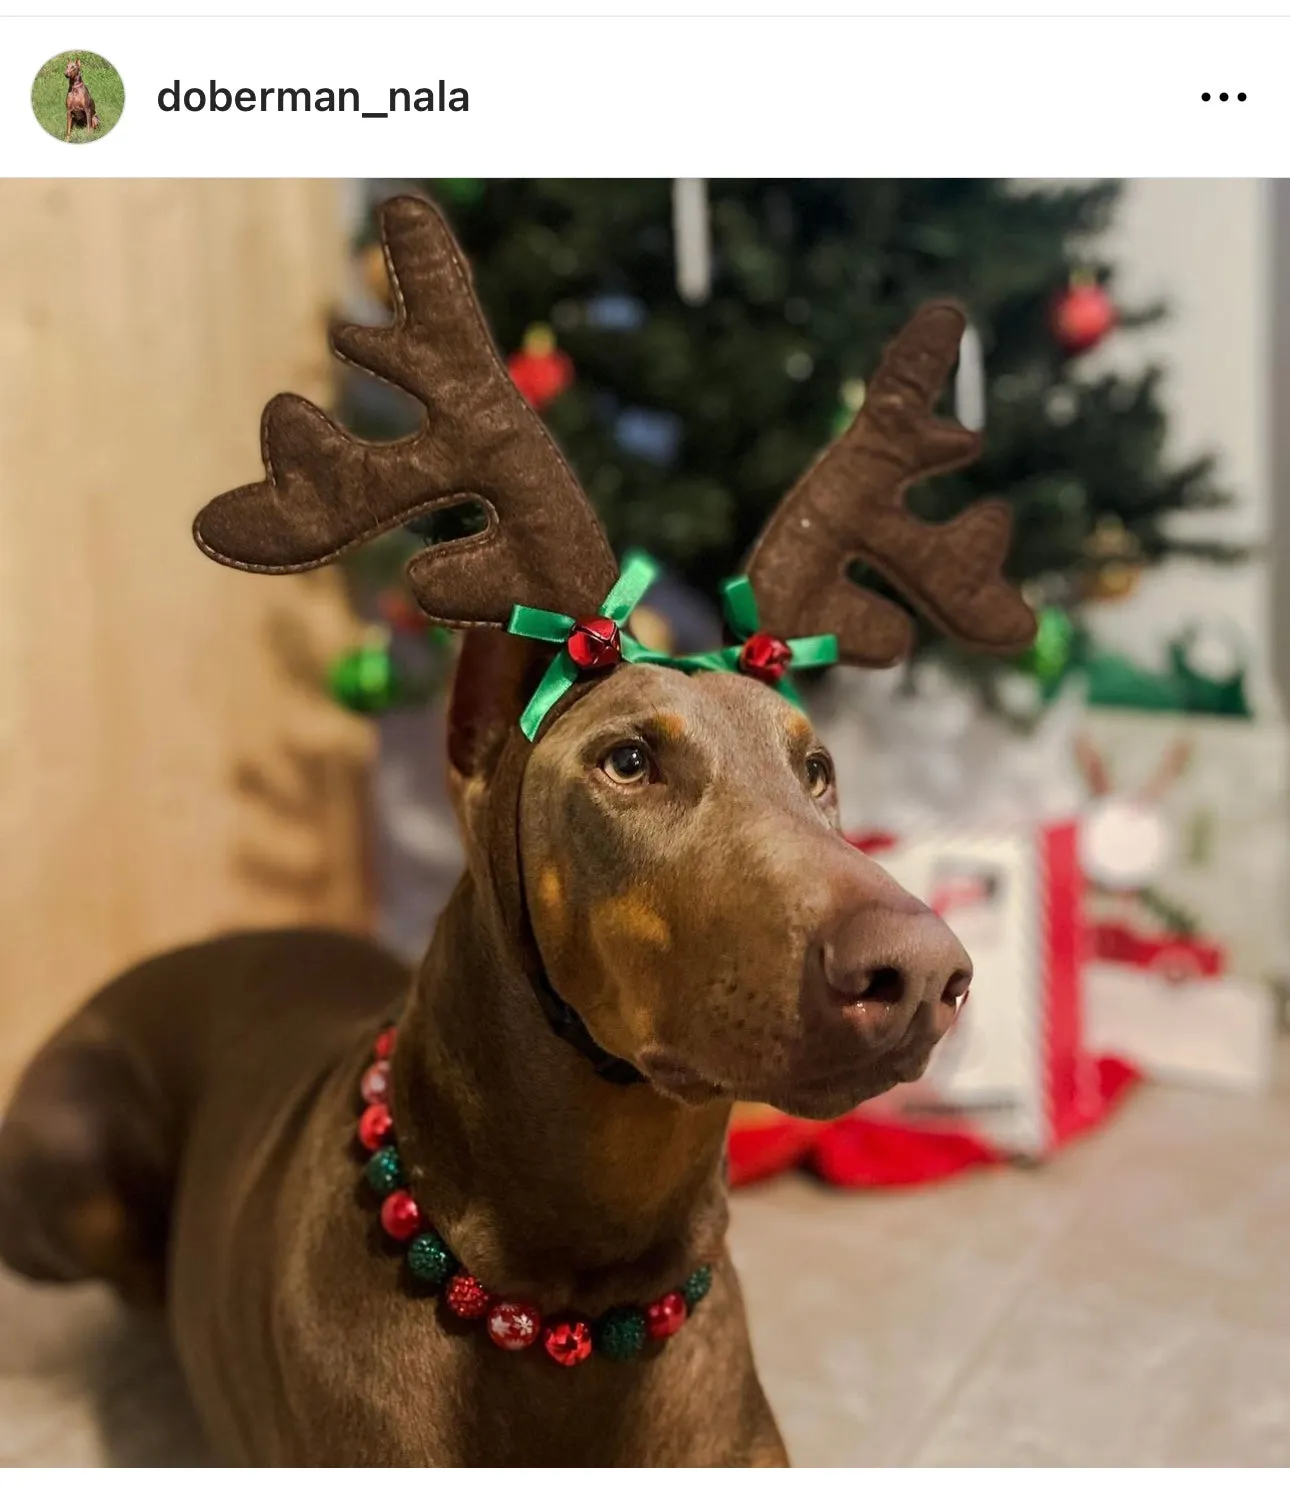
{"x": 662, "y": 848}
{"x": 225, "y": 1075}
{"x": 80, "y": 106}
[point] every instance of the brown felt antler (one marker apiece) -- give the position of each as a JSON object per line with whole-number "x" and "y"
{"x": 326, "y": 491}
{"x": 848, "y": 506}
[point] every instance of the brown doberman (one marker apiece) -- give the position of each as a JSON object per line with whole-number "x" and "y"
{"x": 80, "y": 106}
{"x": 658, "y": 918}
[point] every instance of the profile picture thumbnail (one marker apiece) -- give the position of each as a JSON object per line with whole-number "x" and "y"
{"x": 77, "y": 97}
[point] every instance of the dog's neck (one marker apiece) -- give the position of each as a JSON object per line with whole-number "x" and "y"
{"x": 547, "y": 1181}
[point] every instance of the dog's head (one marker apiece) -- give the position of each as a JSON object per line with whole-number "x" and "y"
{"x": 662, "y": 837}
{"x": 679, "y": 863}
{"x": 72, "y": 72}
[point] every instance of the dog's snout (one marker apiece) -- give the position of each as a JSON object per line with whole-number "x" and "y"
{"x": 880, "y": 958}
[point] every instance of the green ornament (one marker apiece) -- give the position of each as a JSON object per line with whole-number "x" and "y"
{"x": 1050, "y": 656}
{"x": 365, "y": 680}
{"x": 429, "y": 1259}
{"x": 621, "y": 1333}
{"x": 383, "y": 1172}
{"x": 695, "y": 1288}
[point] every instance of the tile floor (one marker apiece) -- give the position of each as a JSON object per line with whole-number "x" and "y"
{"x": 1127, "y": 1305}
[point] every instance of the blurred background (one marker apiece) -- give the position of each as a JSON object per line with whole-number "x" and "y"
{"x": 947, "y": 1277}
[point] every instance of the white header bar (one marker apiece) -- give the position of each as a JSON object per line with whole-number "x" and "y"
{"x": 689, "y": 97}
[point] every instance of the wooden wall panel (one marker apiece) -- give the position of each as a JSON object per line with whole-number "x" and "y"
{"x": 169, "y": 765}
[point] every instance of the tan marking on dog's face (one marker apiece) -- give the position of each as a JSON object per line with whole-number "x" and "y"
{"x": 630, "y": 919}
{"x": 550, "y": 898}
{"x": 670, "y": 727}
{"x": 550, "y": 890}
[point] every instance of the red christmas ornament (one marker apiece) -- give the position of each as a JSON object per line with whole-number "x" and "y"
{"x": 385, "y": 1043}
{"x": 665, "y": 1316}
{"x": 401, "y": 613}
{"x": 513, "y": 1326}
{"x": 567, "y": 1341}
{"x": 375, "y": 1127}
{"x": 467, "y": 1297}
{"x": 765, "y": 657}
{"x": 594, "y": 644}
{"x": 539, "y": 370}
{"x": 1082, "y": 315}
{"x": 400, "y": 1216}
{"x": 375, "y": 1085}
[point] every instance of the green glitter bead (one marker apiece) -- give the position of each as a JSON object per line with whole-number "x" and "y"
{"x": 384, "y": 1172}
{"x": 621, "y": 1333}
{"x": 429, "y": 1260}
{"x": 695, "y": 1288}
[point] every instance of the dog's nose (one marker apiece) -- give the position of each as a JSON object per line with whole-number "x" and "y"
{"x": 881, "y": 961}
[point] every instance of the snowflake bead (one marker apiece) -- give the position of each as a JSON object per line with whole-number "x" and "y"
{"x": 513, "y": 1326}
{"x": 375, "y": 1083}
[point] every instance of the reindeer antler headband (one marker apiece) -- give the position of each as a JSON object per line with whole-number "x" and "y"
{"x": 543, "y": 568}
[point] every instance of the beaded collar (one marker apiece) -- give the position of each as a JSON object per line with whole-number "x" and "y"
{"x": 568, "y": 1339}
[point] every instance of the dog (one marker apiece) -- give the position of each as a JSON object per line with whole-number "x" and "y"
{"x": 348, "y": 1181}
{"x": 80, "y": 106}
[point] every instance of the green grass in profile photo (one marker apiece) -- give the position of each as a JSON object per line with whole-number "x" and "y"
{"x": 50, "y": 97}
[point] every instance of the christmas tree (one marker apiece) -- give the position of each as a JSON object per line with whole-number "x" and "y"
{"x": 686, "y": 421}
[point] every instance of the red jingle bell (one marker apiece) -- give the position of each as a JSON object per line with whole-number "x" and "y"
{"x": 467, "y": 1297}
{"x": 567, "y": 1341}
{"x": 400, "y": 1216}
{"x": 513, "y": 1326}
{"x": 385, "y": 1043}
{"x": 375, "y": 1127}
{"x": 765, "y": 657}
{"x": 375, "y": 1085}
{"x": 665, "y": 1316}
{"x": 594, "y": 644}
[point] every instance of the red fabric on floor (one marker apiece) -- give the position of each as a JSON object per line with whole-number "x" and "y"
{"x": 857, "y": 1152}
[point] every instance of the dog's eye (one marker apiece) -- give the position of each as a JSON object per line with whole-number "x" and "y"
{"x": 626, "y": 765}
{"x": 819, "y": 774}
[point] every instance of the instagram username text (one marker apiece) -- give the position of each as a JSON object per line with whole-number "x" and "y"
{"x": 438, "y": 98}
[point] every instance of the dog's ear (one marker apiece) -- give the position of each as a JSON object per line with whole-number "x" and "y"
{"x": 495, "y": 677}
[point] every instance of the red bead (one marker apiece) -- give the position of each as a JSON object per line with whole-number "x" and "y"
{"x": 567, "y": 1341}
{"x": 467, "y": 1297}
{"x": 765, "y": 657}
{"x": 375, "y": 1127}
{"x": 400, "y": 1216}
{"x": 594, "y": 643}
{"x": 665, "y": 1316}
{"x": 375, "y": 1085}
{"x": 385, "y": 1042}
{"x": 513, "y": 1326}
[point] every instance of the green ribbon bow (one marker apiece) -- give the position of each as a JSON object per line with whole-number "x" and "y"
{"x": 739, "y": 605}
{"x": 639, "y": 573}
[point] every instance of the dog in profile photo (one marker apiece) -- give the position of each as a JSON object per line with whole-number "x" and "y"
{"x": 80, "y": 106}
